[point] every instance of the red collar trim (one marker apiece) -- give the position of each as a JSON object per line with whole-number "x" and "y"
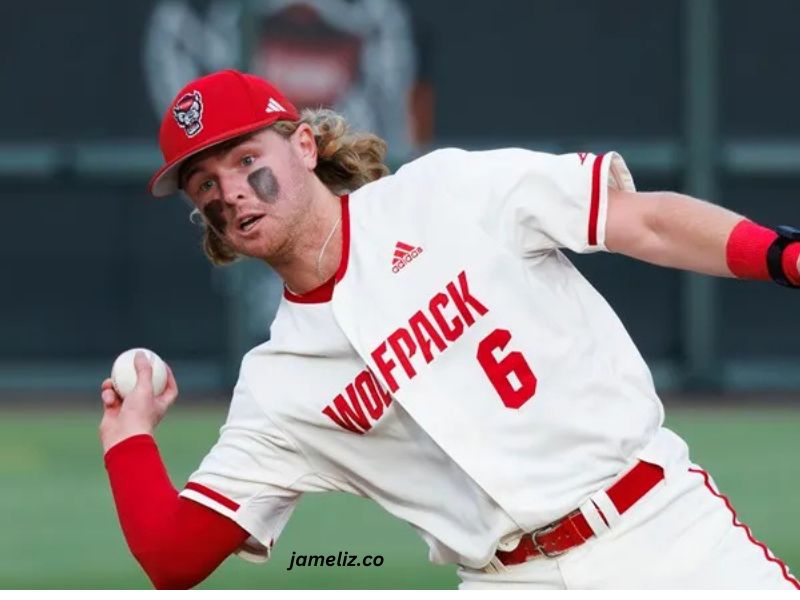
{"x": 324, "y": 292}
{"x": 345, "y": 238}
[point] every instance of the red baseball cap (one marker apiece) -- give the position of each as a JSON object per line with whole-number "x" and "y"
{"x": 210, "y": 110}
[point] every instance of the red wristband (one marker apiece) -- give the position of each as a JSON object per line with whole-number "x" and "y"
{"x": 790, "y": 259}
{"x": 746, "y": 253}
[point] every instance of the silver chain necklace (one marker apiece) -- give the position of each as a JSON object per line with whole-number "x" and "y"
{"x": 322, "y": 250}
{"x": 319, "y": 258}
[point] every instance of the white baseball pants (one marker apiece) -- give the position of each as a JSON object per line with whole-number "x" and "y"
{"x": 682, "y": 535}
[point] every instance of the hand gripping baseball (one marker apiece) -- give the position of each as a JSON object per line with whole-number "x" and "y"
{"x": 141, "y": 411}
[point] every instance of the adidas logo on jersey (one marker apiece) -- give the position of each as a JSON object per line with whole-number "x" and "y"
{"x": 404, "y": 254}
{"x": 274, "y": 106}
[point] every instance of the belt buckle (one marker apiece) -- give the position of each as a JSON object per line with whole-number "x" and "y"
{"x": 539, "y": 546}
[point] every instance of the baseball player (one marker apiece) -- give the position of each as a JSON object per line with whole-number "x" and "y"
{"x": 435, "y": 351}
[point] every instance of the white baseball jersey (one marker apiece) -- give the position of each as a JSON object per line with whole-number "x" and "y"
{"x": 463, "y": 374}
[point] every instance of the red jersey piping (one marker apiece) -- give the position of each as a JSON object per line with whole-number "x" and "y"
{"x": 737, "y": 523}
{"x": 324, "y": 292}
{"x": 215, "y": 496}
{"x": 594, "y": 206}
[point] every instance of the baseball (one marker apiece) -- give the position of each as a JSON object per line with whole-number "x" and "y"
{"x": 123, "y": 373}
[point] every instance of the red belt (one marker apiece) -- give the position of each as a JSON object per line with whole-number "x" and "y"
{"x": 572, "y": 530}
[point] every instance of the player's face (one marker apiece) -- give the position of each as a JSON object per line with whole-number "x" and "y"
{"x": 254, "y": 194}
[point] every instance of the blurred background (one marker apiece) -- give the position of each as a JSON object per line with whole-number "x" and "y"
{"x": 698, "y": 95}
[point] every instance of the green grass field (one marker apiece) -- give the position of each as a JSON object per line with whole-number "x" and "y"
{"x": 58, "y": 528}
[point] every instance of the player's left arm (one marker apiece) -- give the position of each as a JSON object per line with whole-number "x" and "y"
{"x": 674, "y": 230}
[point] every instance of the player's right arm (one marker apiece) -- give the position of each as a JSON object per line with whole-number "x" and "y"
{"x": 237, "y": 501}
{"x": 178, "y": 542}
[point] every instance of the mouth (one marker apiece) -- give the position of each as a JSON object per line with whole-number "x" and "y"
{"x": 248, "y": 222}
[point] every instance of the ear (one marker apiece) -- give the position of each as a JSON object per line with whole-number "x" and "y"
{"x": 303, "y": 139}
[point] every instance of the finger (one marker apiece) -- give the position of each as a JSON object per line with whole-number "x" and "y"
{"x": 111, "y": 411}
{"x": 107, "y": 384}
{"x": 110, "y": 417}
{"x": 144, "y": 373}
{"x": 170, "y": 392}
{"x": 172, "y": 385}
{"x": 110, "y": 398}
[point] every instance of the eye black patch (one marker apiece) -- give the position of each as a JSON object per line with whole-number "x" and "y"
{"x": 214, "y": 213}
{"x": 264, "y": 184}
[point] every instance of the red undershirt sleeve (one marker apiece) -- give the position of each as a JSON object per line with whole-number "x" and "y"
{"x": 177, "y": 541}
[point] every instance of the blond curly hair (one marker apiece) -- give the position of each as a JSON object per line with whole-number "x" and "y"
{"x": 345, "y": 161}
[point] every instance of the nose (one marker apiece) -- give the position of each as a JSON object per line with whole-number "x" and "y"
{"x": 233, "y": 188}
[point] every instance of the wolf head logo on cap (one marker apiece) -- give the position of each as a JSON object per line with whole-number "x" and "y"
{"x": 188, "y": 111}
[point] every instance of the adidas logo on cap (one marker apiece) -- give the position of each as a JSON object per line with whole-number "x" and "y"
{"x": 274, "y": 106}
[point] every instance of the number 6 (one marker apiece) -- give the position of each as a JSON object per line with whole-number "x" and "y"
{"x": 500, "y": 371}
